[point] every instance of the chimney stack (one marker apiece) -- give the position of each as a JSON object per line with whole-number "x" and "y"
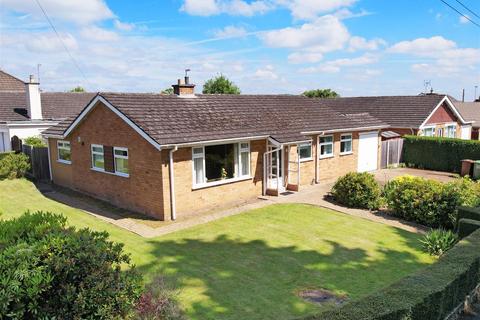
{"x": 184, "y": 87}
{"x": 34, "y": 104}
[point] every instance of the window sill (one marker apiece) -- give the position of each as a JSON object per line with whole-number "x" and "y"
{"x": 64, "y": 161}
{"x": 306, "y": 160}
{"x": 220, "y": 182}
{"x": 326, "y": 157}
{"x": 346, "y": 153}
{"x": 118, "y": 174}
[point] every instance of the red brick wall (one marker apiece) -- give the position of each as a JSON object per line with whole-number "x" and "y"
{"x": 442, "y": 115}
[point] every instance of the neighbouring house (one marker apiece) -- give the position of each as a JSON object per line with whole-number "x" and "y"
{"x": 471, "y": 112}
{"x": 26, "y": 111}
{"x": 181, "y": 154}
{"x": 426, "y": 114}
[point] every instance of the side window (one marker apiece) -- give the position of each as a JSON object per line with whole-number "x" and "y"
{"x": 121, "y": 160}
{"x": 326, "y": 146}
{"x": 346, "y": 144}
{"x": 64, "y": 152}
{"x": 98, "y": 160}
{"x": 305, "y": 151}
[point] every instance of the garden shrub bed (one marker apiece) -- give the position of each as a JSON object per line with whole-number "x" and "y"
{"x": 467, "y": 226}
{"x": 431, "y": 293}
{"x": 441, "y": 154}
{"x": 358, "y": 190}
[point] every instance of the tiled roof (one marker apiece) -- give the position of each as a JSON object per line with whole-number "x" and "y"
{"x": 55, "y": 105}
{"x": 470, "y": 111}
{"x": 169, "y": 119}
{"x": 397, "y": 111}
{"x": 9, "y": 83}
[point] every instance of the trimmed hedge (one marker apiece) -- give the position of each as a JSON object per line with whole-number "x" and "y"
{"x": 358, "y": 190}
{"x": 467, "y": 226}
{"x": 441, "y": 154}
{"x": 429, "y": 294}
{"x": 467, "y": 213}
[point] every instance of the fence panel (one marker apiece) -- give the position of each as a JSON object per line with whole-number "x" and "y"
{"x": 39, "y": 167}
{"x": 392, "y": 151}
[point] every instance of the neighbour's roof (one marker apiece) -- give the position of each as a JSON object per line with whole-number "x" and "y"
{"x": 397, "y": 111}
{"x": 470, "y": 111}
{"x": 9, "y": 83}
{"x": 170, "y": 119}
{"x": 55, "y": 105}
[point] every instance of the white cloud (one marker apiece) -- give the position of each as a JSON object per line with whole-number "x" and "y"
{"x": 423, "y": 46}
{"x": 359, "y": 43}
{"x": 334, "y": 66}
{"x": 305, "y": 57}
{"x": 98, "y": 34}
{"x": 81, "y": 12}
{"x": 310, "y": 9}
{"x": 48, "y": 42}
{"x": 231, "y": 7}
{"x": 268, "y": 72}
{"x": 231, "y": 32}
{"x": 464, "y": 20}
{"x": 325, "y": 34}
{"x": 123, "y": 26}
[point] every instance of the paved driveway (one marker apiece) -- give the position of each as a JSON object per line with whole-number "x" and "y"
{"x": 384, "y": 175}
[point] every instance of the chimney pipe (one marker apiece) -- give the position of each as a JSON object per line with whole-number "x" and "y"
{"x": 34, "y": 103}
{"x": 463, "y": 95}
{"x": 184, "y": 87}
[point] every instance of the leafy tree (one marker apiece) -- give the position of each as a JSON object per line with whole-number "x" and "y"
{"x": 34, "y": 141}
{"x": 51, "y": 271}
{"x": 167, "y": 91}
{"x": 220, "y": 85}
{"x": 321, "y": 93}
{"x": 78, "y": 89}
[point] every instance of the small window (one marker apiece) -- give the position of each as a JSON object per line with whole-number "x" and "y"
{"x": 451, "y": 131}
{"x": 64, "y": 152}
{"x": 305, "y": 151}
{"x": 121, "y": 160}
{"x": 346, "y": 144}
{"x": 98, "y": 160}
{"x": 429, "y": 132}
{"x": 198, "y": 165}
{"x": 326, "y": 146}
{"x": 244, "y": 159}
{"x": 440, "y": 132}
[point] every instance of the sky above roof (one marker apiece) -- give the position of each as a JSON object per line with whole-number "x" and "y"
{"x": 356, "y": 47}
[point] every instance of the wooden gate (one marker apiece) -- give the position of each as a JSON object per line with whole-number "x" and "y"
{"x": 392, "y": 151}
{"x": 39, "y": 168}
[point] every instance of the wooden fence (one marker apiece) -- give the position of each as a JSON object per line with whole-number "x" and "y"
{"x": 39, "y": 167}
{"x": 392, "y": 151}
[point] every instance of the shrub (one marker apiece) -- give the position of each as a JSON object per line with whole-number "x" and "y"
{"x": 34, "y": 141}
{"x": 159, "y": 301}
{"x": 436, "y": 242}
{"x": 467, "y": 213}
{"x": 51, "y": 271}
{"x": 467, "y": 226}
{"x": 14, "y": 166}
{"x": 442, "y": 154}
{"x": 357, "y": 190}
{"x": 430, "y": 202}
{"x": 432, "y": 293}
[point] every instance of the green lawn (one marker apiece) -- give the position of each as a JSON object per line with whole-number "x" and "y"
{"x": 251, "y": 265}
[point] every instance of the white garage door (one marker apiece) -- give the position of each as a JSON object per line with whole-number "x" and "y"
{"x": 368, "y": 151}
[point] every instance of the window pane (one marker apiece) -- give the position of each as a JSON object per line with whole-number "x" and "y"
{"x": 98, "y": 161}
{"x": 305, "y": 151}
{"x": 326, "y": 149}
{"x": 198, "y": 164}
{"x": 121, "y": 165}
{"x": 64, "y": 154}
{"x": 123, "y": 153}
{"x": 326, "y": 139}
{"x": 245, "y": 164}
{"x": 97, "y": 149}
{"x": 198, "y": 151}
{"x": 219, "y": 162}
{"x": 346, "y": 146}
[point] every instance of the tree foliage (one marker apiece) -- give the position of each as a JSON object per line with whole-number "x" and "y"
{"x": 321, "y": 93}
{"x": 34, "y": 141}
{"x": 220, "y": 85}
{"x": 78, "y": 89}
{"x": 167, "y": 91}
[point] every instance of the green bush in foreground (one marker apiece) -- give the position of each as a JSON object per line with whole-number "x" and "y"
{"x": 430, "y": 202}
{"x": 358, "y": 190}
{"x": 34, "y": 142}
{"x": 14, "y": 166}
{"x": 51, "y": 271}
{"x": 430, "y": 294}
{"x": 438, "y": 241}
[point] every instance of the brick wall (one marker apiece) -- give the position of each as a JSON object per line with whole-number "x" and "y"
{"x": 338, "y": 165}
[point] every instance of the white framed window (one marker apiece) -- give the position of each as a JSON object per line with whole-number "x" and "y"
{"x": 98, "y": 159}
{"x": 305, "y": 151}
{"x": 451, "y": 131}
{"x": 64, "y": 152}
{"x": 440, "y": 132}
{"x": 220, "y": 163}
{"x": 120, "y": 156}
{"x": 428, "y": 132}
{"x": 346, "y": 144}
{"x": 326, "y": 147}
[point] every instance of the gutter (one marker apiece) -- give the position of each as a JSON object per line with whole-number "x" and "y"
{"x": 345, "y": 130}
{"x": 173, "y": 207}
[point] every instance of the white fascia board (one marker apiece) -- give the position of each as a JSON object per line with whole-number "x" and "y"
{"x": 452, "y": 108}
{"x": 345, "y": 130}
{"x": 212, "y": 142}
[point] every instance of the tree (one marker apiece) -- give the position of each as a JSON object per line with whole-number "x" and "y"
{"x": 220, "y": 85}
{"x": 78, "y": 89}
{"x": 167, "y": 91}
{"x": 321, "y": 93}
{"x": 49, "y": 270}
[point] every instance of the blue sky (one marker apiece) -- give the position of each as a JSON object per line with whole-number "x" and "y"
{"x": 356, "y": 47}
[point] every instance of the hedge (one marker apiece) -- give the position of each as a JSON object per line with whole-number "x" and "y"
{"x": 432, "y": 293}
{"x": 441, "y": 154}
{"x": 467, "y": 226}
{"x": 467, "y": 213}
{"x": 4, "y": 154}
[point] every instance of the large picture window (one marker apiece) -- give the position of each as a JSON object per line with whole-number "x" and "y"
{"x": 221, "y": 162}
{"x": 305, "y": 151}
{"x": 64, "y": 152}
{"x": 346, "y": 144}
{"x": 429, "y": 132}
{"x": 326, "y": 146}
{"x": 98, "y": 160}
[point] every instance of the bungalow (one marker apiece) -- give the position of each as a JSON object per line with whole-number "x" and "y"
{"x": 471, "y": 112}
{"x": 26, "y": 111}
{"x": 177, "y": 155}
{"x": 427, "y": 114}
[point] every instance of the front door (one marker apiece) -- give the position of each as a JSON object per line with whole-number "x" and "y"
{"x": 276, "y": 170}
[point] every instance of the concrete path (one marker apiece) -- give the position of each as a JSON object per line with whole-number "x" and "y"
{"x": 317, "y": 195}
